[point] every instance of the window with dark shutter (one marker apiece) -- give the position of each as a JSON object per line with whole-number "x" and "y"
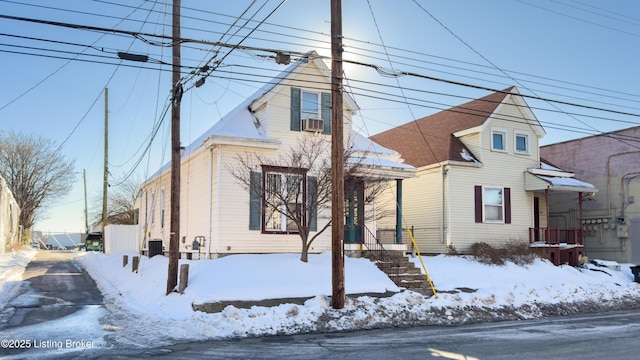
{"x": 492, "y": 205}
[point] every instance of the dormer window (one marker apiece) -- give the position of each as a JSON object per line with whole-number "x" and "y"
{"x": 310, "y": 105}
{"x": 521, "y": 142}
{"x": 498, "y": 140}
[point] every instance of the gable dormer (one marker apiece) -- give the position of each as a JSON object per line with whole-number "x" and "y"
{"x": 310, "y": 111}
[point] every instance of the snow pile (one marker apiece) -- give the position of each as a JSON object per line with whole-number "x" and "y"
{"x": 11, "y": 269}
{"x": 141, "y": 315}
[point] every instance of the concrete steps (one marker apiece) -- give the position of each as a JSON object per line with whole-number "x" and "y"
{"x": 400, "y": 270}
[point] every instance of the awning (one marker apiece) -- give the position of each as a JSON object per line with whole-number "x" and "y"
{"x": 535, "y": 182}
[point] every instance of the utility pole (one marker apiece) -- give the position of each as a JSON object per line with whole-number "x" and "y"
{"x": 86, "y": 212}
{"x": 105, "y": 178}
{"x": 337, "y": 159}
{"x": 176, "y": 96}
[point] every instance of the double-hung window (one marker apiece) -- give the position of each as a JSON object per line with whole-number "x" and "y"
{"x": 310, "y": 108}
{"x": 281, "y": 198}
{"x": 492, "y": 204}
{"x": 310, "y": 105}
{"x": 162, "y": 208}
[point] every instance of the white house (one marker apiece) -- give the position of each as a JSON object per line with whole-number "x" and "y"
{"x": 219, "y": 215}
{"x": 9, "y": 217}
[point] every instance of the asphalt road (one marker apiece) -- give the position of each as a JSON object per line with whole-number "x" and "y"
{"x": 588, "y": 337}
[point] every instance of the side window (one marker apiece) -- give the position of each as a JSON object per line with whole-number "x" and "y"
{"x": 153, "y": 208}
{"x": 492, "y": 204}
{"x": 162, "y": 208}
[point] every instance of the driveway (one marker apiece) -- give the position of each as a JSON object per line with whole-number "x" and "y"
{"x": 54, "y": 287}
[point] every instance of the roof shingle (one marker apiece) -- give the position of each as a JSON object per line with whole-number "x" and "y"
{"x": 430, "y": 140}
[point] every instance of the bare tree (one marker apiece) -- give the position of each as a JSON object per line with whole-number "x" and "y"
{"x": 35, "y": 172}
{"x": 294, "y": 189}
{"x": 121, "y": 203}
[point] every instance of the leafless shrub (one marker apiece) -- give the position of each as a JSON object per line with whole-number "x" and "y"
{"x": 517, "y": 252}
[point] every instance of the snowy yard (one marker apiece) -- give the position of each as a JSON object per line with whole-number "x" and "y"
{"x": 140, "y": 315}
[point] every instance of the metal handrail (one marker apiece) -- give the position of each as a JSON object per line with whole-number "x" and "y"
{"x": 386, "y": 261}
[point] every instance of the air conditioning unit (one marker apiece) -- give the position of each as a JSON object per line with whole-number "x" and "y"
{"x": 313, "y": 125}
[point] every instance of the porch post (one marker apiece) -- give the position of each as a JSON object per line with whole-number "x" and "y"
{"x": 398, "y": 211}
{"x": 580, "y": 237}
{"x": 351, "y": 215}
{"x": 547, "y": 234}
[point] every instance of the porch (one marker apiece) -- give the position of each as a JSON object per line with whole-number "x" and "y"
{"x": 560, "y": 246}
{"x": 557, "y": 195}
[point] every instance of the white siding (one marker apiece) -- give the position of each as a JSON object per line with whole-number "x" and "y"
{"x": 454, "y": 224}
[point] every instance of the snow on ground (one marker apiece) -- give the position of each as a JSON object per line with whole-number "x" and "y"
{"x": 140, "y": 315}
{"x": 12, "y": 266}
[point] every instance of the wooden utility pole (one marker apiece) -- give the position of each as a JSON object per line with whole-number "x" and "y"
{"x": 105, "y": 179}
{"x": 176, "y": 95}
{"x": 86, "y": 212}
{"x": 337, "y": 159}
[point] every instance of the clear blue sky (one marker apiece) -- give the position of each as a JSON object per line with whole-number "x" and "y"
{"x": 582, "y": 51}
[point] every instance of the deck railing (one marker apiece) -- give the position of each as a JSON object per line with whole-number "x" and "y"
{"x": 556, "y": 236}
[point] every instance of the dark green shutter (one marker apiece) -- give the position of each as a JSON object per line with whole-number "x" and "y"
{"x": 295, "y": 109}
{"x": 312, "y": 196}
{"x": 255, "y": 201}
{"x": 325, "y": 112}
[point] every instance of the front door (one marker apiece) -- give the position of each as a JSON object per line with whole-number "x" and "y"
{"x": 354, "y": 217}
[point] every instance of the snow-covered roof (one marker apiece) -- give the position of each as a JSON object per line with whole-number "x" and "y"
{"x": 554, "y": 178}
{"x": 239, "y": 123}
{"x": 379, "y": 158}
{"x": 360, "y": 143}
{"x": 565, "y": 183}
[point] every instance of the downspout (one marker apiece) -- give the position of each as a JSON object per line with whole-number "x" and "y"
{"x": 208, "y": 255}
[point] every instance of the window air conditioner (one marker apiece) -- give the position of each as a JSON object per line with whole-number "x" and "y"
{"x": 314, "y": 125}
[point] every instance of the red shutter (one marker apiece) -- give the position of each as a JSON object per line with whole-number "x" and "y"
{"x": 478, "y": 203}
{"x": 507, "y": 205}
